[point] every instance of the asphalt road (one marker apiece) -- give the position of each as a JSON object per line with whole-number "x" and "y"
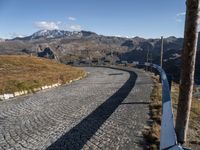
{"x": 106, "y": 110}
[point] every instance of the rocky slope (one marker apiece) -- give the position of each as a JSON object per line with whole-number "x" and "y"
{"x": 65, "y": 45}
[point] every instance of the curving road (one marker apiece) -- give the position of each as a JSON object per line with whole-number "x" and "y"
{"x": 106, "y": 110}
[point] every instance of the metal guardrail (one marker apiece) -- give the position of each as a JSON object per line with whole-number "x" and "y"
{"x": 168, "y": 138}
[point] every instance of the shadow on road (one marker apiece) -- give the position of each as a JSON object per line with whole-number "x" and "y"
{"x": 82, "y": 132}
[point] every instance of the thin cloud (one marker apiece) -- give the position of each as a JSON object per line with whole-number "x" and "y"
{"x": 45, "y": 25}
{"x": 180, "y": 14}
{"x": 15, "y": 34}
{"x": 58, "y": 22}
{"x": 179, "y": 17}
{"x": 74, "y": 27}
{"x": 71, "y": 18}
{"x": 178, "y": 20}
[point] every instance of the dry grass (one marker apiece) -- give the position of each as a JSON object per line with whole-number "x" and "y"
{"x": 194, "y": 124}
{"x": 152, "y": 134}
{"x": 25, "y": 73}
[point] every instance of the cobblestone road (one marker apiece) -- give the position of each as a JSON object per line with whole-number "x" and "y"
{"x": 106, "y": 110}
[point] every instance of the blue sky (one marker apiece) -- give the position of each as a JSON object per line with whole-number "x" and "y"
{"x": 144, "y": 18}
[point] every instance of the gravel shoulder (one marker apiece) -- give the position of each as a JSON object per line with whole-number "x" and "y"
{"x": 106, "y": 110}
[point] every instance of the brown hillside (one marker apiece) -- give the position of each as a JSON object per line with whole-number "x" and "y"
{"x": 25, "y": 73}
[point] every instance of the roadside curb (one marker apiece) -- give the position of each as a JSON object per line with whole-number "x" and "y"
{"x": 7, "y": 96}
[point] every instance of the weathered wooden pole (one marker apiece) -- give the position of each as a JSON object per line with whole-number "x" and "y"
{"x": 187, "y": 69}
{"x": 161, "y": 52}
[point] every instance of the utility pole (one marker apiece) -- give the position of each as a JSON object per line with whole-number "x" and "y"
{"x": 187, "y": 68}
{"x": 161, "y": 52}
{"x": 147, "y": 59}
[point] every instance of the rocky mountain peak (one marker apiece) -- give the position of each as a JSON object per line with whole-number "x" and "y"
{"x": 54, "y": 34}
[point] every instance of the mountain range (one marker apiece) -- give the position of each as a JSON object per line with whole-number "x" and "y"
{"x": 66, "y": 46}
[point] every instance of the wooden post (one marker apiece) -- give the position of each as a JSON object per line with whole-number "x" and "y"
{"x": 151, "y": 62}
{"x": 161, "y": 52}
{"x": 187, "y": 69}
{"x": 147, "y": 59}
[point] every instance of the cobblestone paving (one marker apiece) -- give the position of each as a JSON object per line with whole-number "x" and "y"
{"x": 106, "y": 110}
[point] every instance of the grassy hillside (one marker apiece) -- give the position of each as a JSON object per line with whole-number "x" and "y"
{"x": 25, "y": 73}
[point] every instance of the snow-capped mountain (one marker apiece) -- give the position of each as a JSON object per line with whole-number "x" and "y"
{"x": 52, "y": 34}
